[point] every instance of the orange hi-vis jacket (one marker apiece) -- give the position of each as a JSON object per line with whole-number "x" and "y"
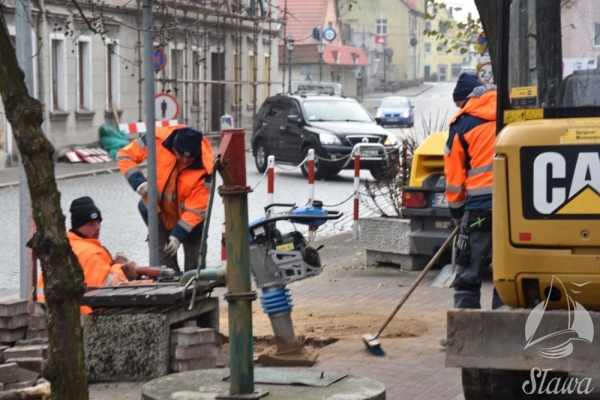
{"x": 469, "y": 153}
{"x": 96, "y": 262}
{"x": 192, "y": 189}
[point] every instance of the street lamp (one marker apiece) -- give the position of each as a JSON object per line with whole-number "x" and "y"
{"x": 290, "y": 48}
{"x": 320, "y": 49}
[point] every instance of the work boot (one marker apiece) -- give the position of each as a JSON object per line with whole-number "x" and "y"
{"x": 444, "y": 341}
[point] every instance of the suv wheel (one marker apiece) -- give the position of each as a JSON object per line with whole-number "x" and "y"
{"x": 261, "y": 156}
{"x": 320, "y": 171}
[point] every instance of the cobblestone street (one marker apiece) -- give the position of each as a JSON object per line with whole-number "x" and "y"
{"x": 124, "y": 230}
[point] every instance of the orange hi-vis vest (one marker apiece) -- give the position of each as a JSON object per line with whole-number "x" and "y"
{"x": 192, "y": 187}
{"x": 96, "y": 262}
{"x": 469, "y": 153}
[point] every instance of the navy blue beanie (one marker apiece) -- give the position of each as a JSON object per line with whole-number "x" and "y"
{"x": 188, "y": 141}
{"x": 465, "y": 85}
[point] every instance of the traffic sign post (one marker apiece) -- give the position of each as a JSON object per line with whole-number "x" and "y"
{"x": 166, "y": 107}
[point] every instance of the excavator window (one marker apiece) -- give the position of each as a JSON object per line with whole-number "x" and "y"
{"x": 551, "y": 53}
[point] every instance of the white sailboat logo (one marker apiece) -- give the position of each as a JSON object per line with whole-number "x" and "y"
{"x": 579, "y": 326}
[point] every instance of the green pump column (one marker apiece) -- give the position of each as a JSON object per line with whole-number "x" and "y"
{"x": 240, "y": 295}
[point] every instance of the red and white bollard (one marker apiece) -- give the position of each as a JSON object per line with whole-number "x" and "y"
{"x": 311, "y": 176}
{"x": 356, "y": 190}
{"x": 311, "y": 188}
{"x": 271, "y": 179}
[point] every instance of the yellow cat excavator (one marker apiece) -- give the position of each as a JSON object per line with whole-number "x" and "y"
{"x": 546, "y": 212}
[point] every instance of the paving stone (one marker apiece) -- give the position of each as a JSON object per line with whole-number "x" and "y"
{"x": 8, "y": 308}
{"x": 14, "y": 322}
{"x": 198, "y": 351}
{"x": 12, "y": 335}
{"x": 18, "y": 385}
{"x": 37, "y": 335}
{"x": 9, "y": 373}
{"x": 28, "y": 342}
{"x": 36, "y": 364}
{"x": 39, "y": 350}
{"x": 190, "y": 323}
{"x": 194, "y": 364}
{"x": 191, "y": 336}
{"x": 37, "y": 323}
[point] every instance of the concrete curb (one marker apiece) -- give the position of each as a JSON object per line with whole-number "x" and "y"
{"x": 70, "y": 176}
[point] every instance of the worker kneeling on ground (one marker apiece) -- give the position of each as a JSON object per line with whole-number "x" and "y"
{"x": 184, "y": 163}
{"x": 468, "y": 169}
{"x": 99, "y": 267}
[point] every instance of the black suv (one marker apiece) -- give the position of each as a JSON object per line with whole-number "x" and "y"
{"x": 287, "y": 126}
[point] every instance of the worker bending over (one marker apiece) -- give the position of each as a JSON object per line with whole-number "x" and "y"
{"x": 184, "y": 163}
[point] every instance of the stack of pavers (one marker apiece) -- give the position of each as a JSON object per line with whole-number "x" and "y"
{"x": 194, "y": 348}
{"x": 22, "y": 359}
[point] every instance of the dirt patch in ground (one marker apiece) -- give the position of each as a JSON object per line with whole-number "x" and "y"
{"x": 319, "y": 330}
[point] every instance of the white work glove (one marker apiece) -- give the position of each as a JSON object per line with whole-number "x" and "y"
{"x": 142, "y": 189}
{"x": 172, "y": 246}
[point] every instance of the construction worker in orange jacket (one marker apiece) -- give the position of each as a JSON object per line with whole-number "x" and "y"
{"x": 99, "y": 267}
{"x": 184, "y": 163}
{"x": 468, "y": 170}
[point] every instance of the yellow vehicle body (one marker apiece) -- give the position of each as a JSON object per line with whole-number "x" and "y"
{"x": 546, "y": 211}
{"x": 428, "y": 158}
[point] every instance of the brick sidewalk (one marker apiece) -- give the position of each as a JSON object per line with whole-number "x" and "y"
{"x": 413, "y": 368}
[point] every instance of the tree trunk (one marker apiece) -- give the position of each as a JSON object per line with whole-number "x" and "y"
{"x": 61, "y": 270}
{"x": 489, "y": 14}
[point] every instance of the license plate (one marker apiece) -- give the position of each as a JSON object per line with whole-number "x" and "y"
{"x": 439, "y": 200}
{"x": 368, "y": 153}
{"x": 392, "y": 119}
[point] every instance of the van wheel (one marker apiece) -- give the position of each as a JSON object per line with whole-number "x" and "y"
{"x": 261, "y": 156}
{"x": 320, "y": 170}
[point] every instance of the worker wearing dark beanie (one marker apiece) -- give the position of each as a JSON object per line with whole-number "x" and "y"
{"x": 83, "y": 210}
{"x": 184, "y": 166}
{"x": 187, "y": 142}
{"x": 468, "y": 159}
{"x": 465, "y": 85}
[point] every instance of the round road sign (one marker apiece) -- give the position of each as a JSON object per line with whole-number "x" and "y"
{"x": 380, "y": 39}
{"x": 389, "y": 52}
{"x": 160, "y": 59}
{"x": 484, "y": 72}
{"x": 166, "y": 107}
{"x": 329, "y": 34}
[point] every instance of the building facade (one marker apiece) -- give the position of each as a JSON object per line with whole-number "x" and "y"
{"x": 401, "y": 24}
{"x": 338, "y": 62}
{"x": 214, "y": 58}
{"x": 442, "y": 63}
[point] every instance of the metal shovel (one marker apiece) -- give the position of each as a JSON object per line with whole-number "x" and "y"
{"x": 448, "y": 273}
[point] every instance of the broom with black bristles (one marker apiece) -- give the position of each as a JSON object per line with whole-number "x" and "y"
{"x": 371, "y": 342}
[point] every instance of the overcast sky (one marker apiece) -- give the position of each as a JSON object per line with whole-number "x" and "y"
{"x": 468, "y": 6}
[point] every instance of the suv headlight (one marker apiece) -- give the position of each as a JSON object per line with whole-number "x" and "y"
{"x": 328, "y": 138}
{"x": 406, "y": 114}
{"x": 391, "y": 140}
{"x": 379, "y": 114}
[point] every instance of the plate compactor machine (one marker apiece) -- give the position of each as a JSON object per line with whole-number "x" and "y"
{"x": 546, "y": 211}
{"x": 278, "y": 259}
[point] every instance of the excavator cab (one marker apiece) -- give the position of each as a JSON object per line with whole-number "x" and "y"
{"x": 546, "y": 206}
